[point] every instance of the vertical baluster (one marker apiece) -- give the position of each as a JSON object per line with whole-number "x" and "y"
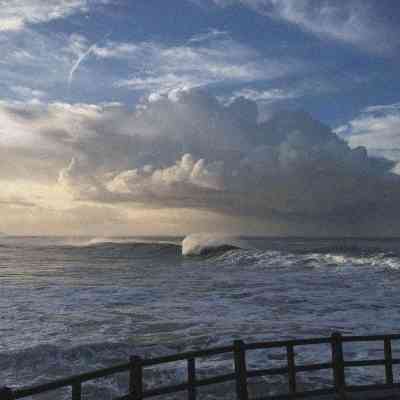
{"x": 291, "y": 368}
{"x": 191, "y": 379}
{"x": 136, "y": 378}
{"x": 6, "y": 393}
{"x": 77, "y": 390}
{"x": 338, "y": 364}
{"x": 240, "y": 370}
{"x": 388, "y": 360}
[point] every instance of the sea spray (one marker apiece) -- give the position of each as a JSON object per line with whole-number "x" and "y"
{"x": 198, "y": 244}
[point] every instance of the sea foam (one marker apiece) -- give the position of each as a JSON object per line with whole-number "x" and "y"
{"x": 198, "y": 244}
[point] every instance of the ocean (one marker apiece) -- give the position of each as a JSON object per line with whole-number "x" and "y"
{"x": 69, "y": 305}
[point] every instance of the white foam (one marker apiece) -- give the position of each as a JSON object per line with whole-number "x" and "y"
{"x": 199, "y": 243}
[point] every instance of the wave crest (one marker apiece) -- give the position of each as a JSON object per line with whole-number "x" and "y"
{"x": 200, "y": 244}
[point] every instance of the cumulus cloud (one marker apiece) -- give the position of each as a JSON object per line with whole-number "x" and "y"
{"x": 193, "y": 152}
{"x": 355, "y": 22}
{"x": 378, "y": 129}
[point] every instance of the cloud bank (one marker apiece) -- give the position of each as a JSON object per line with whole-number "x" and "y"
{"x": 191, "y": 152}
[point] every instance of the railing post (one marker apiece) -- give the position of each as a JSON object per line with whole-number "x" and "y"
{"x": 76, "y": 390}
{"x": 338, "y": 365}
{"x": 388, "y": 360}
{"x": 6, "y": 393}
{"x": 136, "y": 378}
{"x": 191, "y": 379}
{"x": 240, "y": 370}
{"x": 291, "y": 368}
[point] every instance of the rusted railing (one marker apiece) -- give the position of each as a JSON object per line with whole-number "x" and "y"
{"x": 241, "y": 373}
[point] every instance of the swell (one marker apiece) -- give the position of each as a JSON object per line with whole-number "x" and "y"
{"x": 204, "y": 245}
{"x": 227, "y": 250}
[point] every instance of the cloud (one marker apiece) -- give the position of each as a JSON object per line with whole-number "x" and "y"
{"x": 48, "y": 64}
{"x": 27, "y": 93}
{"x": 378, "y": 129}
{"x": 191, "y": 152}
{"x": 16, "y": 14}
{"x": 268, "y": 95}
{"x": 78, "y": 62}
{"x": 15, "y": 202}
{"x": 209, "y": 35}
{"x": 226, "y": 162}
{"x": 77, "y": 45}
{"x": 354, "y": 22}
{"x": 160, "y": 68}
{"x": 34, "y": 61}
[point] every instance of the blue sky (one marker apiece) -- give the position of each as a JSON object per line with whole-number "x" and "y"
{"x": 68, "y": 65}
{"x": 333, "y": 68}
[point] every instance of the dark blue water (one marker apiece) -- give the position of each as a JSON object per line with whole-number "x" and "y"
{"x": 70, "y": 305}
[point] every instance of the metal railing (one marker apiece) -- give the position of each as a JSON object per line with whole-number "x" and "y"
{"x": 240, "y": 374}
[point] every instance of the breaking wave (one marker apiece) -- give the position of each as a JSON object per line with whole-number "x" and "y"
{"x": 192, "y": 245}
{"x": 201, "y": 244}
{"x": 224, "y": 249}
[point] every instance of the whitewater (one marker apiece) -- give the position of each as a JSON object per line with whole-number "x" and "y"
{"x": 70, "y": 305}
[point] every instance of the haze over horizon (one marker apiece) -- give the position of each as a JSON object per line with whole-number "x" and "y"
{"x": 276, "y": 117}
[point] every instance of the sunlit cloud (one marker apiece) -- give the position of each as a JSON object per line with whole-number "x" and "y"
{"x": 378, "y": 129}
{"x": 192, "y": 152}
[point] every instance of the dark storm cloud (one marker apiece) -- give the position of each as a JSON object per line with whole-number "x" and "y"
{"x": 191, "y": 151}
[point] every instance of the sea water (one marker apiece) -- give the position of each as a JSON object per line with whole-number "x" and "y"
{"x": 69, "y": 305}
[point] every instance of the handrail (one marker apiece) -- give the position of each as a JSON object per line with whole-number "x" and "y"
{"x": 239, "y": 350}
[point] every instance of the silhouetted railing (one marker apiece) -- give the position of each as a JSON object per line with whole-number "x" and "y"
{"x": 241, "y": 373}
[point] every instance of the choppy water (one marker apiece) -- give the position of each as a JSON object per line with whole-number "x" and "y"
{"x": 71, "y": 305}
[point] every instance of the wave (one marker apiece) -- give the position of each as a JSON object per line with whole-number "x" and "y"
{"x": 99, "y": 241}
{"x": 205, "y": 244}
{"x": 224, "y": 249}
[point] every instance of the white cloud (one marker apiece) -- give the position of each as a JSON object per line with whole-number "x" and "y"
{"x": 49, "y": 63}
{"x": 78, "y": 62}
{"x": 378, "y": 129}
{"x": 27, "y": 93}
{"x": 268, "y": 95}
{"x": 15, "y": 14}
{"x": 209, "y": 35}
{"x": 187, "y": 172}
{"x": 11, "y": 24}
{"x": 354, "y": 21}
{"x": 33, "y": 60}
{"x": 161, "y": 68}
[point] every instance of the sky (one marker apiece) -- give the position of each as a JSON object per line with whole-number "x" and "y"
{"x": 153, "y": 117}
